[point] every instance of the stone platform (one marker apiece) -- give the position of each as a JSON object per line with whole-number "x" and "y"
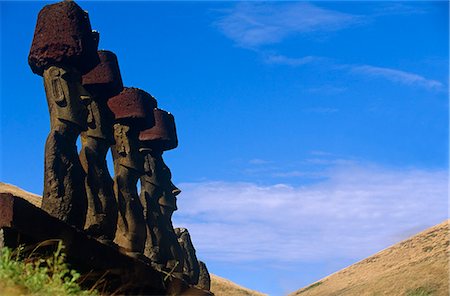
{"x": 22, "y": 223}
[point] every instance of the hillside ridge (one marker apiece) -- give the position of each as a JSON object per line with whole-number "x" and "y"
{"x": 419, "y": 263}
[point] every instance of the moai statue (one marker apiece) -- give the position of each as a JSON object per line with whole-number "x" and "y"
{"x": 103, "y": 82}
{"x": 133, "y": 112}
{"x": 204, "y": 279}
{"x": 158, "y": 194}
{"x": 191, "y": 267}
{"x": 64, "y": 48}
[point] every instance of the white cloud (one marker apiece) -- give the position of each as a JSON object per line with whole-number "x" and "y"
{"x": 252, "y": 24}
{"x": 276, "y": 59}
{"x": 357, "y": 211}
{"x": 397, "y": 76}
{"x": 258, "y": 161}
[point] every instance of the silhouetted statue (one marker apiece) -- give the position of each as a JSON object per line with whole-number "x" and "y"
{"x": 103, "y": 82}
{"x": 158, "y": 194}
{"x": 204, "y": 279}
{"x": 133, "y": 112}
{"x": 64, "y": 48}
{"x": 191, "y": 268}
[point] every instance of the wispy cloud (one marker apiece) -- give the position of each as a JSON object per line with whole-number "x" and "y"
{"x": 276, "y": 59}
{"x": 252, "y": 24}
{"x": 258, "y": 161}
{"x": 357, "y": 211}
{"x": 397, "y": 76}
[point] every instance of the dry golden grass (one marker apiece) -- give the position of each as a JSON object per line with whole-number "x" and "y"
{"x": 418, "y": 266}
{"x": 223, "y": 287}
{"x": 30, "y": 197}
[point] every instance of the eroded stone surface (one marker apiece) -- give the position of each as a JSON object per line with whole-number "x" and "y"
{"x": 64, "y": 193}
{"x": 191, "y": 266}
{"x": 204, "y": 279}
{"x": 133, "y": 106}
{"x": 63, "y": 36}
{"x": 163, "y": 135}
{"x": 159, "y": 201}
{"x": 104, "y": 81}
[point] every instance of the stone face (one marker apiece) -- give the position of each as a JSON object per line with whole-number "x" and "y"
{"x": 64, "y": 97}
{"x": 204, "y": 279}
{"x": 161, "y": 245}
{"x": 63, "y": 36}
{"x": 163, "y": 135}
{"x": 133, "y": 106}
{"x": 191, "y": 268}
{"x": 104, "y": 81}
{"x": 64, "y": 193}
{"x": 128, "y": 168}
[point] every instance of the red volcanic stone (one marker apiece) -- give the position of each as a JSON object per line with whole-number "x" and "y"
{"x": 63, "y": 35}
{"x": 163, "y": 135}
{"x": 134, "y": 106}
{"x": 105, "y": 79}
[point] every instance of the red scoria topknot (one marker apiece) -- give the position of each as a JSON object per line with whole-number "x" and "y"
{"x": 163, "y": 135}
{"x": 63, "y": 35}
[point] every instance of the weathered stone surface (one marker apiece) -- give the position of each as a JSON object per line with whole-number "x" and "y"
{"x": 23, "y": 223}
{"x": 133, "y": 110}
{"x": 191, "y": 266}
{"x": 133, "y": 106}
{"x": 104, "y": 81}
{"x": 128, "y": 168}
{"x": 204, "y": 279}
{"x": 161, "y": 244}
{"x": 163, "y": 135}
{"x": 64, "y": 193}
{"x": 101, "y": 217}
{"x": 65, "y": 95}
{"x": 63, "y": 36}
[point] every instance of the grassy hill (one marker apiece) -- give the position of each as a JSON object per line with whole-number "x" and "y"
{"x": 417, "y": 266}
{"x": 224, "y": 287}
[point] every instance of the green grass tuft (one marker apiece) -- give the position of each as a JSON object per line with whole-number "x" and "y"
{"x": 421, "y": 291}
{"x": 38, "y": 276}
{"x": 312, "y": 286}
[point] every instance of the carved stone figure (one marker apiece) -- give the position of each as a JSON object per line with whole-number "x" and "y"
{"x": 63, "y": 48}
{"x": 103, "y": 82}
{"x": 191, "y": 267}
{"x": 204, "y": 279}
{"x": 133, "y": 112}
{"x": 158, "y": 194}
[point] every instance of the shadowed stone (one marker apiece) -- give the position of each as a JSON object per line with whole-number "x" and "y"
{"x": 204, "y": 280}
{"x": 158, "y": 194}
{"x": 133, "y": 111}
{"x": 133, "y": 106}
{"x": 159, "y": 201}
{"x": 191, "y": 268}
{"x": 64, "y": 193}
{"x": 163, "y": 135}
{"x": 102, "y": 82}
{"x": 63, "y": 48}
{"x": 63, "y": 36}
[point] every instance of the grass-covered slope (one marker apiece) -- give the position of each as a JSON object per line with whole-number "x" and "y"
{"x": 224, "y": 287}
{"x": 418, "y": 266}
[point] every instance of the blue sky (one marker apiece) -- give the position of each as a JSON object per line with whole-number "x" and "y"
{"x": 312, "y": 134}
